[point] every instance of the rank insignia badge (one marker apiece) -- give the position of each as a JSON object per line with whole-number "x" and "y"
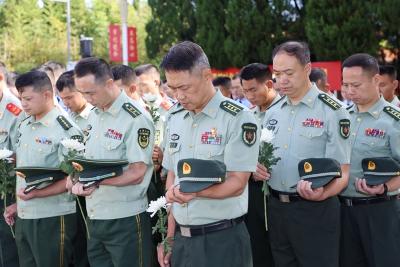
{"x": 43, "y": 140}
{"x": 143, "y": 137}
{"x": 211, "y": 137}
{"x": 344, "y": 128}
{"x": 375, "y": 133}
{"x": 249, "y": 133}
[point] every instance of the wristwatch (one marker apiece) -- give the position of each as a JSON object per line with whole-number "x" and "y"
{"x": 385, "y": 191}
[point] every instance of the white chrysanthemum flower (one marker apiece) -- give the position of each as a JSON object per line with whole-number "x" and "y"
{"x": 156, "y": 205}
{"x": 266, "y": 135}
{"x": 5, "y": 153}
{"x": 73, "y": 144}
{"x": 149, "y": 98}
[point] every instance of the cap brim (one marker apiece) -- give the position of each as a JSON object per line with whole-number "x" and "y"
{"x": 320, "y": 181}
{"x": 193, "y": 187}
{"x": 96, "y": 163}
{"x": 376, "y": 180}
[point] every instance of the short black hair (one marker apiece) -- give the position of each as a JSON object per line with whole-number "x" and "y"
{"x": 39, "y": 80}
{"x": 317, "y": 74}
{"x": 184, "y": 56}
{"x": 297, "y": 49}
{"x": 66, "y": 80}
{"x": 365, "y": 61}
{"x": 222, "y": 81}
{"x": 124, "y": 73}
{"x": 389, "y": 70}
{"x": 97, "y": 67}
{"x": 145, "y": 68}
{"x": 257, "y": 71}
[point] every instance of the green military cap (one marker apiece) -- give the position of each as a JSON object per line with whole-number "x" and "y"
{"x": 196, "y": 174}
{"x": 39, "y": 177}
{"x": 379, "y": 170}
{"x": 319, "y": 171}
{"x": 92, "y": 171}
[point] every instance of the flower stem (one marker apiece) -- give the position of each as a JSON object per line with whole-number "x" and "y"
{"x": 83, "y": 216}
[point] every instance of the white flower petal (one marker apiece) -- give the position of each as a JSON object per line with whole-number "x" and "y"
{"x": 73, "y": 144}
{"x": 266, "y": 135}
{"x": 5, "y": 153}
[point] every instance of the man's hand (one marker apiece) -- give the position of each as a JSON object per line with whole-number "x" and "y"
{"x": 305, "y": 191}
{"x": 27, "y": 196}
{"x": 175, "y": 195}
{"x": 361, "y": 186}
{"x": 163, "y": 259}
{"x": 261, "y": 173}
{"x": 69, "y": 184}
{"x": 10, "y": 213}
{"x": 78, "y": 190}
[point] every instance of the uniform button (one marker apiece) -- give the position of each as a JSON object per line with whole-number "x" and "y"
{"x": 89, "y": 197}
{"x": 285, "y": 146}
{"x": 283, "y": 182}
{"x": 91, "y": 215}
{"x": 358, "y": 119}
{"x": 102, "y": 119}
{"x": 195, "y": 125}
{"x": 25, "y": 145}
{"x": 292, "y": 112}
{"x": 40, "y": 150}
{"x": 109, "y": 147}
{"x": 33, "y": 128}
{"x": 91, "y": 211}
{"x": 97, "y": 136}
{"x": 289, "y": 129}
{"x": 184, "y": 205}
{"x": 190, "y": 146}
{"x": 372, "y": 143}
{"x": 353, "y": 134}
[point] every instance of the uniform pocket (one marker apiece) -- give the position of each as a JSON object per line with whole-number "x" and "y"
{"x": 112, "y": 144}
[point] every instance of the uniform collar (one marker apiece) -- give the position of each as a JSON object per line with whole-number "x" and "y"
{"x": 48, "y": 119}
{"x": 116, "y": 105}
{"x": 85, "y": 112}
{"x": 375, "y": 110}
{"x": 395, "y": 101}
{"x": 212, "y": 106}
{"x": 308, "y": 99}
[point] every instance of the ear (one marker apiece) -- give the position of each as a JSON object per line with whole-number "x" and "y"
{"x": 207, "y": 74}
{"x": 307, "y": 68}
{"x": 2, "y": 77}
{"x": 109, "y": 83}
{"x": 395, "y": 84}
{"x": 132, "y": 88}
{"x": 269, "y": 84}
{"x": 375, "y": 80}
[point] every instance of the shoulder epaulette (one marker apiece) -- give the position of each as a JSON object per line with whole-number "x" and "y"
{"x": 350, "y": 107}
{"x": 392, "y": 112}
{"x": 280, "y": 99}
{"x": 14, "y": 109}
{"x": 230, "y": 107}
{"x": 176, "y": 108}
{"x": 131, "y": 109}
{"x": 332, "y": 103}
{"x": 64, "y": 122}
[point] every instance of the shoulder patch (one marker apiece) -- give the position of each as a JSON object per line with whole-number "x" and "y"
{"x": 280, "y": 99}
{"x": 14, "y": 109}
{"x": 392, "y": 112}
{"x": 131, "y": 109}
{"x": 332, "y": 103}
{"x": 230, "y": 107}
{"x": 64, "y": 122}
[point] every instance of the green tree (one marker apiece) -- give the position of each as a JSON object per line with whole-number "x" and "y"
{"x": 337, "y": 29}
{"x": 250, "y": 32}
{"x": 172, "y": 21}
{"x": 211, "y": 32}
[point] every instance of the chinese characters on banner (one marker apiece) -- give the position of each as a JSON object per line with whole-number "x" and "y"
{"x": 115, "y": 43}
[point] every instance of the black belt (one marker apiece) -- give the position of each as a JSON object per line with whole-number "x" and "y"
{"x": 195, "y": 230}
{"x": 354, "y": 201}
{"x": 285, "y": 196}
